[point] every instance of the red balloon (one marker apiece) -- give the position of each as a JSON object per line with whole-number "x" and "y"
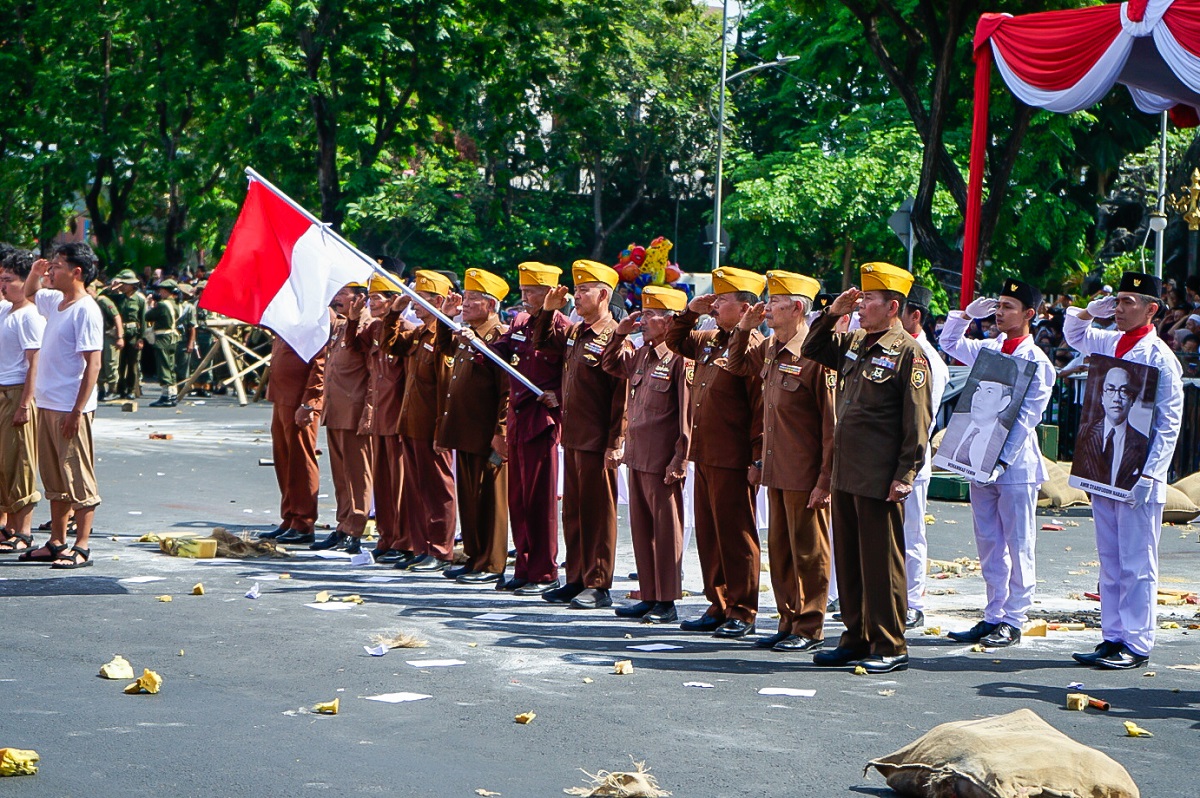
{"x": 629, "y": 272}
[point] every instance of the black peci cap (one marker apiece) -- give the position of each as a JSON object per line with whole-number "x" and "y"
{"x": 920, "y": 295}
{"x": 1023, "y": 292}
{"x": 1139, "y": 283}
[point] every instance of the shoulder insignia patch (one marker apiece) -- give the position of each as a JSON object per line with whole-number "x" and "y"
{"x": 690, "y": 372}
{"x": 919, "y": 377}
{"x": 831, "y": 380}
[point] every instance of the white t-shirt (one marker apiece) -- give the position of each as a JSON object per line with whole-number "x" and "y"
{"x": 69, "y": 333}
{"x": 20, "y": 330}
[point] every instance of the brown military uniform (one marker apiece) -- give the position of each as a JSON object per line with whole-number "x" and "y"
{"x": 883, "y": 416}
{"x": 381, "y": 420}
{"x": 473, "y": 413}
{"x": 726, "y": 439}
{"x": 350, "y": 452}
{"x": 593, "y": 409}
{"x": 429, "y": 474}
{"x": 533, "y": 432}
{"x": 294, "y": 448}
{"x": 797, "y": 457}
{"x": 658, "y": 414}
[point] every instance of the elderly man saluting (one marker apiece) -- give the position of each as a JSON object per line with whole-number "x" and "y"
{"x": 883, "y": 413}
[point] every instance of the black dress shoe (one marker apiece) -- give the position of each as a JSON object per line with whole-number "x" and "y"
{"x": 794, "y": 643}
{"x": 163, "y": 401}
{"x": 1004, "y": 635}
{"x": 296, "y": 537}
{"x": 353, "y": 545}
{"x": 838, "y": 657}
{"x": 593, "y": 598}
{"x": 410, "y": 559}
{"x": 274, "y": 533}
{"x": 770, "y": 641}
{"x": 734, "y": 628}
{"x": 663, "y": 612}
{"x": 913, "y": 619}
{"x": 705, "y": 623}
{"x": 635, "y": 610}
{"x": 429, "y": 565}
{"x": 333, "y": 540}
{"x": 1105, "y": 649}
{"x": 563, "y": 595}
{"x": 511, "y": 585}
{"x": 884, "y": 664}
{"x": 478, "y": 578}
{"x": 1122, "y": 659}
{"x": 395, "y": 557}
{"x": 456, "y": 572}
{"x": 975, "y": 633}
{"x": 536, "y": 589}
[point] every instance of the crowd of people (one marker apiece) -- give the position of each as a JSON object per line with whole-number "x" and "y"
{"x": 433, "y": 429}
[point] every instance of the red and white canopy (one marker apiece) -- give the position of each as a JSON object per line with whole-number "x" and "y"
{"x": 1065, "y": 61}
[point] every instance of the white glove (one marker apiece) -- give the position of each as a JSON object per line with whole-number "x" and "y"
{"x": 1142, "y": 490}
{"x": 990, "y": 479}
{"x": 982, "y": 308}
{"x": 1102, "y": 308}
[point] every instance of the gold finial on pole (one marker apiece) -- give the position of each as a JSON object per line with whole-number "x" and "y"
{"x": 1186, "y": 204}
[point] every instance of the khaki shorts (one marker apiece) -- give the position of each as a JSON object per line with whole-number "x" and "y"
{"x": 18, "y": 453}
{"x": 67, "y": 465}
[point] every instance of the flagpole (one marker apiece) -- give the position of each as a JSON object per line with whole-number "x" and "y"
{"x": 420, "y": 300}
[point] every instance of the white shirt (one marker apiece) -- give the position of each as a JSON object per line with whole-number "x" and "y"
{"x": 1168, "y": 399}
{"x": 20, "y": 331}
{"x": 70, "y": 332}
{"x": 939, "y": 377}
{"x": 1021, "y": 450}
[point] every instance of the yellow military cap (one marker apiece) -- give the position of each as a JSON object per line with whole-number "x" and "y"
{"x": 432, "y": 282}
{"x": 533, "y": 273}
{"x": 886, "y": 277}
{"x": 348, "y": 285}
{"x": 383, "y": 285}
{"x": 589, "y": 271}
{"x": 727, "y": 280}
{"x": 661, "y": 297}
{"x": 485, "y": 283}
{"x": 792, "y": 284}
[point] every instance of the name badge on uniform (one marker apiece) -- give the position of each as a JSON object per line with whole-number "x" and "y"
{"x": 852, "y": 356}
{"x": 518, "y": 336}
{"x": 428, "y": 346}
{"x": 594, "y": 347}
{"x": 886, "y": 362}
{"x": 661, "y": 372}
{"x": 788, "y": 368}
{"x": 570, "y": 342}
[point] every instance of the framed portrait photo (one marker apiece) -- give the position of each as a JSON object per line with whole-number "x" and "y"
{"x": 1113, "y": 441}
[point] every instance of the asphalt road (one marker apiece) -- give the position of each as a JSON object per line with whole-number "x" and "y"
{"x": 240, "y": 674}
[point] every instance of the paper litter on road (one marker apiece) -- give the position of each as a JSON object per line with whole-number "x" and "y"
{"x": 140, "y": 580}
{"x": 1075, "y": 685}
{"x": 435, "y": 663}
{"x": 704, "y": 685}
{"x": 788, "y": 691}
{"x": 494, "y": 616}
{"x": 377, "y": 651}
{"x": 254, "y": 592}
{"x": 362, "y": 558}
{"x": 135, "y": 512}
{"x": 331, "y": 607}
{"x": 397, "y": 698}
{"x": 654, "y": 647}
{"x": 381, "y": 579}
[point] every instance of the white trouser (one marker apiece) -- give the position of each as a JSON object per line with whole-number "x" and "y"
{"x": 915, "y": 547}
{"x": 1005, "y": 534}
{"x": 1127, "y": 540}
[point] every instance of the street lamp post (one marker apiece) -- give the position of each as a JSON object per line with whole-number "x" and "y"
{"x": 782, "y": 59}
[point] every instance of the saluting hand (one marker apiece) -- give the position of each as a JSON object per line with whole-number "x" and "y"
{"x": 354, "y": 309}
{"x": 702, "y": 304}
{"x": 846, "y": 303}
{"x": 753, "y": 316}
{"x": 556, "y": 299}
{"x": 400, "y": 302}
{"x": 982, "y": 308}
{"x": 452, "y": 305}
{"x": 630, "y": 323}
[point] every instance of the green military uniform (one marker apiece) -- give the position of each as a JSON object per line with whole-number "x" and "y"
{"x": 162, "y": 317}
{"x": 133, "y": 313}
{"x": 185, "y": 358}
{"x": 111, "y": 354}
{"x": 883, "y": 411}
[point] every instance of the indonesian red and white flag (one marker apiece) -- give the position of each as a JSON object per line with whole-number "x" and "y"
{"x": 280, "y": 270}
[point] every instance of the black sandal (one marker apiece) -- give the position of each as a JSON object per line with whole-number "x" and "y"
{"x": 75, "y": 562}
{"x": 55, "y": 551}
{"x": 11, "y": 539}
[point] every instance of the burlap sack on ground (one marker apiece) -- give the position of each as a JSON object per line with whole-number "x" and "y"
{"x": 936, "y": 441}
{"x": 1055, "y": 492}
{"x": 1017, "y": 755}
{"x": 1191, "y": 486}
{"x": 1181, "y": 507}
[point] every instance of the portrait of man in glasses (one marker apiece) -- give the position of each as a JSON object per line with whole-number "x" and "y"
{"x": 1111, "y": 449}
